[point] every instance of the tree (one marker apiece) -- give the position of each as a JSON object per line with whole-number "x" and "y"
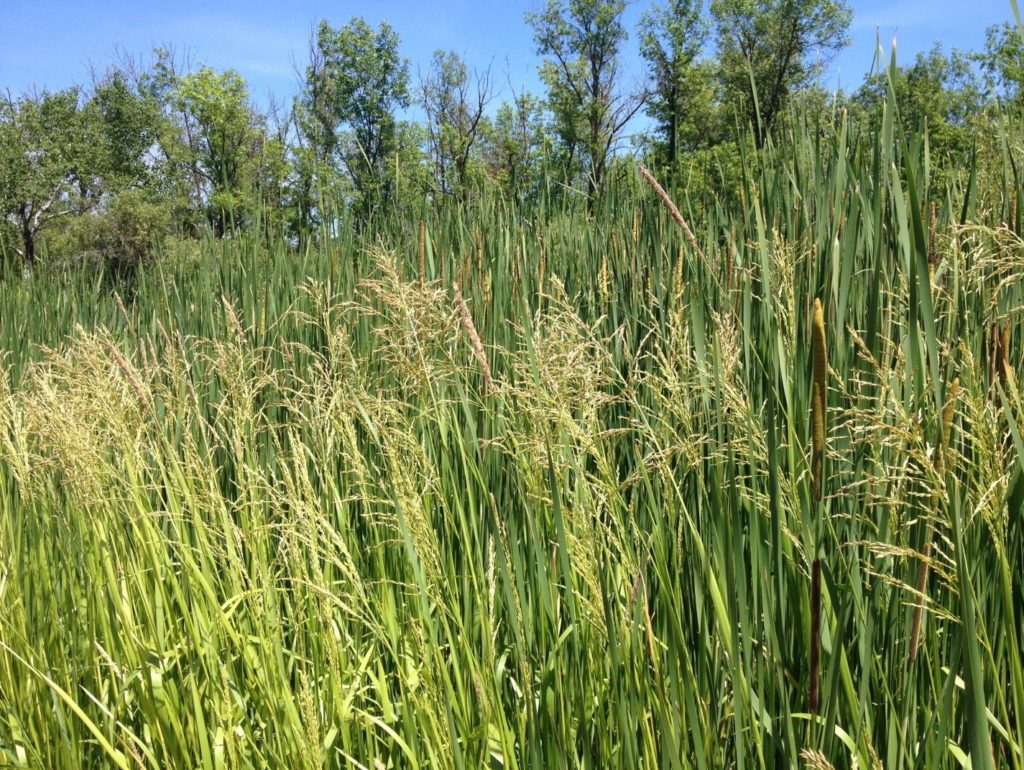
{"x": 672, "y": 38}
{"x": 769, "y": 48}
{"x": 128, "y": 123}
{"x": 214, "y": 145}
{"x": 454, "y": 104}
{"x": 937, "y": 92}
{"x": 48, "y": 166}
{"x": 582, "y": 39}
{"x": 1003, "y": 61}
{"x": 355, "y": 82}
{"x": 517, "y": 147}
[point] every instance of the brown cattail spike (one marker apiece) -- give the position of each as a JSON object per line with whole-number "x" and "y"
{"x": 818, "y": 401}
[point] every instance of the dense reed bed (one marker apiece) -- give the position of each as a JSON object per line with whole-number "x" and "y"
{"x": 535, "y": 489}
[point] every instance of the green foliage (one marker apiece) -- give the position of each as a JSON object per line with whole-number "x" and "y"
{"x": 355, "y": 81}
{"x": 582, "y": 40}
{"x": 212, "y": 140}
{"x": 127, "y": 127}
{"x": 48, "y": 164}
{"x": 454, "y": 104}
{"x": 118, "y": 236}
{"x": 264, "y": 511}
{"x": 938, "y": 93}
{"x": 672, "y": 39}
{"x": 769, "y": 48}
{"x": 518, "y": 148}
{"x": 1003, "y": 61}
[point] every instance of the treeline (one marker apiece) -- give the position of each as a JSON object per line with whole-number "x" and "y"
{"x": 170, "y": 149}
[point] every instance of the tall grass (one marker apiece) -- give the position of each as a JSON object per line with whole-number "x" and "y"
{"x": 313, "y": 508}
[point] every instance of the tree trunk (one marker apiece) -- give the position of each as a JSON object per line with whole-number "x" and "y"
{"x": 28, "y": 239}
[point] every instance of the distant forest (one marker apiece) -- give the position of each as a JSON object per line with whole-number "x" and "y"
{"x": 169, "y": 150}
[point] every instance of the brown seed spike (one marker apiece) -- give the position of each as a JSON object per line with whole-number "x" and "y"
{"x": 818, "y": 401}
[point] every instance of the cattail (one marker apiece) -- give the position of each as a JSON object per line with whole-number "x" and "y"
{"x": 926, "y": 550}
{"x": 636, "y": 228}
{"x": 818, "y": 401}
{"x": 474, "y": 339}
{"x": 422, "y": 252}
{"x": 133, "y": 381}
{"x": 672, "y": 210}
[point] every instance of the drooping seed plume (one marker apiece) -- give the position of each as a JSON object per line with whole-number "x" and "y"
{"x": 474, "y": 339}
{"x": 948, "y": 410}
{"x": 673, "y": 210}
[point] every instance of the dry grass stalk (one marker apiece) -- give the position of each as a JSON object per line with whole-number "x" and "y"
{"x": 124, "y": 314}
{"x": 933, "y": 254}
{"x": 818, "y": 401}
{"x": 232, "y": 317}
{"x": 1005, "y": 370}
{"x": 672, "y": 210}
{"x": 815, "y": 760}
{"x": 474, "y": 339}
{"x": 819, "y": 356}
{"x": 542, "y": 269}
{"x": 926, "y": 551}
{"x": 422, "y": 252}
{"x": 729, "y": 258}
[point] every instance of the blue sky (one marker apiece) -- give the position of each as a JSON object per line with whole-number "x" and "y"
{"x": 51, "y": 43}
